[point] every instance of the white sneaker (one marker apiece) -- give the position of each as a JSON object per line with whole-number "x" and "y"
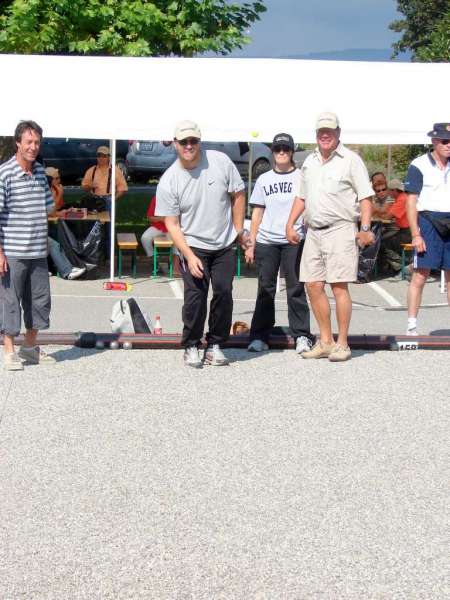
{"x": 35, "y": 356}
{"x": 11, "y": 362}
{"x": 257, "y": 346}
{"x": 215, "y": 357}
{"x": 191, "y": 357}
{"x": 303, "y": 344}
{"x": 76, "y": 272}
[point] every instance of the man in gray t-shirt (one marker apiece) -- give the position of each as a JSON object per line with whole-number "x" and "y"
{"x": 202, "y": 199}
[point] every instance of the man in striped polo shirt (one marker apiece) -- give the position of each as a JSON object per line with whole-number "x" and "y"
{"x": 25, "y": 201}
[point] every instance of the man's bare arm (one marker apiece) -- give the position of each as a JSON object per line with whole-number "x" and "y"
{"x": 413, "y": 220}
{"x": 365, "y": 238}
{"x": 238, "y": 215}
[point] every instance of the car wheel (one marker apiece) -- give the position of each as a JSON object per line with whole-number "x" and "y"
{"x": 259, "y": 167}
{"x": 123, "y": 167}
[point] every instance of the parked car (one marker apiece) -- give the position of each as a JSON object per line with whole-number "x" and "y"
{"x": 147, "y": 158}
{"x": 73, "y": 156}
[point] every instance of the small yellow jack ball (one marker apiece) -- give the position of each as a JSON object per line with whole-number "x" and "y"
{"x": 255, "y": 134}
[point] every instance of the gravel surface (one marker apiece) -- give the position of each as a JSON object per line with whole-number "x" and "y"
{"x": 126, "y": 475}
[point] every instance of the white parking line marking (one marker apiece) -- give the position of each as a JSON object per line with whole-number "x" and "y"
{"x": 384, "y": 294}
{"x": 176, "y": 289}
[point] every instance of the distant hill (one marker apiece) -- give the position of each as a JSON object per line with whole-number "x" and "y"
{"x": 364, "y": 54}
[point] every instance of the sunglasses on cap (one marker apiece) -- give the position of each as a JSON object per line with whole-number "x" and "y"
{"x": 444, "y": 142}
{"x": 101, "y": 155}
{"x": 281, "y": 148}
{"x": 188, "y": 141}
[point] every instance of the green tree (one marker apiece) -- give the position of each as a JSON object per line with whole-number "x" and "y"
{"x": 126, "y": 28}
{"x": 425, "y": 29}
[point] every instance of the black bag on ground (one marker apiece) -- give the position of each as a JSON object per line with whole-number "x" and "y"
{"x": 441, "y": 224}
{"x": 127, "y": 317}
{"x": 368, "y": 256}
{"x": 83, "y": 252}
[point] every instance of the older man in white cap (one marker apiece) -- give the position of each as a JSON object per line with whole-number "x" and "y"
{"x": 334, "y": 194}
{"x": 202, "y": 198}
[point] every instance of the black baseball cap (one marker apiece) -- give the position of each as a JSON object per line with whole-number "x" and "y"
{"x": 284, "y": 139}
{"x": 440, "y": 130}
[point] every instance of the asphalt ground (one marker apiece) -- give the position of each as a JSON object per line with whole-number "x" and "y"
{"x": 126, "y": 475}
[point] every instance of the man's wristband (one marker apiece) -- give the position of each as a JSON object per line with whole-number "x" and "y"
{"x": 365, "y": 228}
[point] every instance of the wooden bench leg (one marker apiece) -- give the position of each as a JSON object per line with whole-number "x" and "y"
{"x": 133, "y": 263}
{"x": 155, "y": 261}
{"x": 119, "y": 257}
{"x": 403, "y": 264}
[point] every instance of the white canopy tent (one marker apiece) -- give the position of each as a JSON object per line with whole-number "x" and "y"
{"x": 231, "y": 99}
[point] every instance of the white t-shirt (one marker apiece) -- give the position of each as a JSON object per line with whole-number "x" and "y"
{"x": 275, "y": 192}
{"x": 201, "y": 199}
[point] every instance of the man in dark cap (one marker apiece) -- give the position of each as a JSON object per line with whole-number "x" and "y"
{"x": 428, "y": 208}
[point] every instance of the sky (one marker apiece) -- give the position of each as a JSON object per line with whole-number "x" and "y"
{"x": 291, "y": 27}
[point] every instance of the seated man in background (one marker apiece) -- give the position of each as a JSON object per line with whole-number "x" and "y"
{"x": 56, "y": 187}
{"x": 157, "y": 229}
{"x": 64, "y": 267}
{"x": 97, "y": 179}
{"x": 381, "y": 198}
{"x": 397, "y": 211}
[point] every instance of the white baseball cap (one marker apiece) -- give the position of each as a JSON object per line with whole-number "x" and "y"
{"x": 186, "y": 129}
{"x": 327, "y": 120}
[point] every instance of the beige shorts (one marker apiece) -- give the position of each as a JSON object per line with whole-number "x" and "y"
{"x": 330, "y": 255}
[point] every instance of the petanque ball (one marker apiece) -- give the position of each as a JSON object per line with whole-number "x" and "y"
{"x": 114, "y": 345}
{"x": 127, "y": 346}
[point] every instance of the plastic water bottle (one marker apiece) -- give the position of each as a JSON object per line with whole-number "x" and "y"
{"x": 157, "y": 330}
{"x": 117, "y": 285}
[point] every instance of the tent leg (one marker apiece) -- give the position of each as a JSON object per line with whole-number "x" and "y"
{"x": 113, "y": 210}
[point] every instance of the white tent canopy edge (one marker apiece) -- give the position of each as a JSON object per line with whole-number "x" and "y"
{"x": 231, "y": 99}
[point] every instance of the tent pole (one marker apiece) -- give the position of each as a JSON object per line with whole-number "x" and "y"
{"x": 112, "y": 144}
{"x": 249, "y": 188}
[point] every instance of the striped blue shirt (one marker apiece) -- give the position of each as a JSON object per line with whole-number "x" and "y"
{"x": 25, "y": 201}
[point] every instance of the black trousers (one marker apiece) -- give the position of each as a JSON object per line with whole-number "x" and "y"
{"x": 219, "y": 267}
{"x": 268, "y": 258}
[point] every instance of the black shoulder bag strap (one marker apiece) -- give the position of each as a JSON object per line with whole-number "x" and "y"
{"x": 108, "y": 185}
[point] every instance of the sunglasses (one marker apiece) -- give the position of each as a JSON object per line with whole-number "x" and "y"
{"x": 100, "y": 155}
{"x": 380, "y": 190}
{"x": 281, "y": 148}
{"x": 189, "y": 142}
{"x": 444, "y": 142}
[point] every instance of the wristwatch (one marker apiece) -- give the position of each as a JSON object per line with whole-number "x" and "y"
{"x": 241, "y": 232}
{"x": 365, "y": 228}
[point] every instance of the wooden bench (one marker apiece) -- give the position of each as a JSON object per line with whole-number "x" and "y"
{"x": 127, "y": 242}
{"x": 162, "y": 247}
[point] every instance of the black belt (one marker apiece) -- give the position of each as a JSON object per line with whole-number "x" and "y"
{"x": 320, "y": 228}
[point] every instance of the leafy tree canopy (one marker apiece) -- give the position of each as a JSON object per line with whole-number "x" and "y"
{"x": 126, "y": 27}
{"x": 425, "y": 29}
